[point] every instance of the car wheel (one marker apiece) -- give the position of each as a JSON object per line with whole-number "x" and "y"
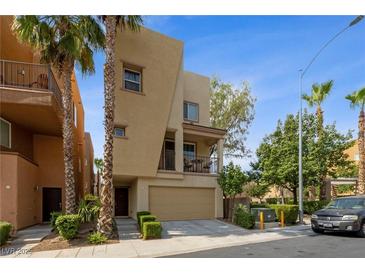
{"x": 361, "y": 232}
{"x": 317, "y": 230}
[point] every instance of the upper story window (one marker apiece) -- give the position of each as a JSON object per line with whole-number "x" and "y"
{"x": 74, "y": 111}
{"x": 119, "y": 131}
{"x": 132, "y": 80}
{"x": 189, "y": 150}
{"x": 191, "y": 112}
{"x": 5, "y": 136}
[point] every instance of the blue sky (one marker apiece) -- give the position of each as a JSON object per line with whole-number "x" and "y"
{"x": 266, "y": 51}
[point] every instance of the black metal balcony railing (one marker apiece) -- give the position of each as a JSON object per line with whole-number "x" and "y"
{"x": 29, "y": 76}
{"x": 200, "y": 164}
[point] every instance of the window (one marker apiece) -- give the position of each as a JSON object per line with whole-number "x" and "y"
{"x": 132, "y": 80}
{"x": 191, "y": 111}
{"x": 189, "y": 150}
{"x": 357, "y": 157}
{"x": 119, "y": 131}
{"x": 5, "y": 136}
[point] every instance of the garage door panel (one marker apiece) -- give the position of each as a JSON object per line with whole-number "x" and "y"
{"x": 182, "y": 203}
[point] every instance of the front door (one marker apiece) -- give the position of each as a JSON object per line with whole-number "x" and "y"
{"x": 121, "y": 201}
{"x": 52, "y": 201}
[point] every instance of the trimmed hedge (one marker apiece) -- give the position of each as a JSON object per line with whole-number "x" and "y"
{"x": 146, "y": 218}
{"x": 271, "y": 201}
{"x": 54, "y": 216}
{"x": 243, "y": 217}
{"x": 68, "y": 225}
{"x": 141, "y": 213}
{"x": 259, "y": 205}
{"x": 152, "y": 230}
{"x": 290, "y": 212}
{"x": 309, "y": 207}
{"x": 5, "y": 229}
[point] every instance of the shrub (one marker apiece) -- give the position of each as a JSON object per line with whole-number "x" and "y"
{"x": 89, "y": 208}
{"x": 309, "y": 207}
{"x": 290, "y": 212}
{"x": 96, "y": 238}
{"x": 54, "y": 216}
{"x": 152, "y": 230}
{"x": 254, "y": 205}
{"x": 287, "y": 201}
{"x": 243, "y": 217}
{"x": 141, "y": 213}
{"x": 5, "y": 229}
{"x": 146, "y": 218}
{"x": 68, "y": 225}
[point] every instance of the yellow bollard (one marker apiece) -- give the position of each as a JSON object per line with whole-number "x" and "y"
{"x": 261, "y": 220}
{"x": 282, "y": 221}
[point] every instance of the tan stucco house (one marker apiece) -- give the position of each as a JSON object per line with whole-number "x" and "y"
{"x": 163, "y": 135}
{"x": 31, "y": 150}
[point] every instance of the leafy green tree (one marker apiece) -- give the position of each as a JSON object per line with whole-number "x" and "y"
{"x": 231, "y": 180}
{"x": 232, "y": 109}
{"x": 278, "y": 153}
{"x": 63, "y": 41}
{"x": 357, "y": 99}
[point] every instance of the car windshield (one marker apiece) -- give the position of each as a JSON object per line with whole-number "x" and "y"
{"x": 347, "y": 203}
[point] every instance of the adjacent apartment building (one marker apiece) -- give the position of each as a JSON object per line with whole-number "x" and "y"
{"x": 163, "y": 136}
{"x": 31, "y": 151}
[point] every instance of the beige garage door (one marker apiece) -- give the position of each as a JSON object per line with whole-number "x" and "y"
{"x": 181, "y": 203}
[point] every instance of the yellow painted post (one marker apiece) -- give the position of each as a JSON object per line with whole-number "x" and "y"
{"x": 282, "y": 221}
{"x": 261, "y": 220}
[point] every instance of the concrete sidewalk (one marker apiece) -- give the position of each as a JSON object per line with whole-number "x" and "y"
{"x": 132, "y": 248}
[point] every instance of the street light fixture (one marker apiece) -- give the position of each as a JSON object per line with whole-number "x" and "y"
{"x": 302, "y": 73}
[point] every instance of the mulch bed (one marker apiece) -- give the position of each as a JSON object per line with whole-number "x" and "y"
{"x": 54, "y": 241}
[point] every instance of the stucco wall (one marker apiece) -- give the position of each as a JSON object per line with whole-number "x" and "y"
{"x": 196, "y": 90}
{"x": 144, "y": 115}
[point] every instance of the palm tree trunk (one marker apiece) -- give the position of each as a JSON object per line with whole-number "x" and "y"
{"x": 322, "y": 189}
{"x": 68, "y": 140}
{"x": 105, "y": 221}
{"x": 361, "y": 140}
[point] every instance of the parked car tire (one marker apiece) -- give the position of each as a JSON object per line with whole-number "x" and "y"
{"x": 317, "y": 230}
{"x": 361, "y": 232}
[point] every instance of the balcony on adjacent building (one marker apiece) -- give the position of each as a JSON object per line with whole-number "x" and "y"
{"x": 29, "y": 76}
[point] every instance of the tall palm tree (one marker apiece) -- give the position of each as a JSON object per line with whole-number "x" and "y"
{"x": 105, "y": 221}
{"x": 357, "y": 99}
{"x": 318, "y": 94}
{"x": 63, "y": 41}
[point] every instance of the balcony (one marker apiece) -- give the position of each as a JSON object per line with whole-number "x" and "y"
{"x": 200, "y": 164}
{"x": 29, "y": 76}
{"x": 31, "y": 97}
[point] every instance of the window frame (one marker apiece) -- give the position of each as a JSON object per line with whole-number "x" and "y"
{"x": 197, "y": 112}
{"x": 135, "y": 82}
{"x": 9, "y": 131}
{"x": 120, "y": 127}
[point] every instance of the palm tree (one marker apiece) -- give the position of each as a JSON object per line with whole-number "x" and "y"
{"x": 105, "y": 221}
{"x": 63, "y": 41}
{"x": 318, "y": 95}
{"x": 357, "y": 99}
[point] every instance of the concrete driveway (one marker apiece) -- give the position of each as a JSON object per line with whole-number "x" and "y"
{"x": 212, "y": 228}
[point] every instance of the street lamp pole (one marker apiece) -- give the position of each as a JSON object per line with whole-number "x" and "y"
{"x": 302, "y": 73}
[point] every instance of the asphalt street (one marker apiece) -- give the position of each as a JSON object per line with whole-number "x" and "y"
{"x": 306, "y": 245}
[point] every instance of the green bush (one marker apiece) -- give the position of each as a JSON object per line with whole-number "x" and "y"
{"x": 68, "y": 225}
{"x": 254, "y": 205}
{"x": 152, "y": 230}
{"x": 243, "y": 217}
{"x": 96, "y": 238}
{"x": 287, "y": 201}
{"x": 89, "y": 208}
{"x": 5, "y": 229}
{"x": 146, "y": 218}
{"x": 139, "y": 214}
{"x": 309, "y": 207}
{"x": 54, "y": 216}
{"x": 290, "y": 212}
